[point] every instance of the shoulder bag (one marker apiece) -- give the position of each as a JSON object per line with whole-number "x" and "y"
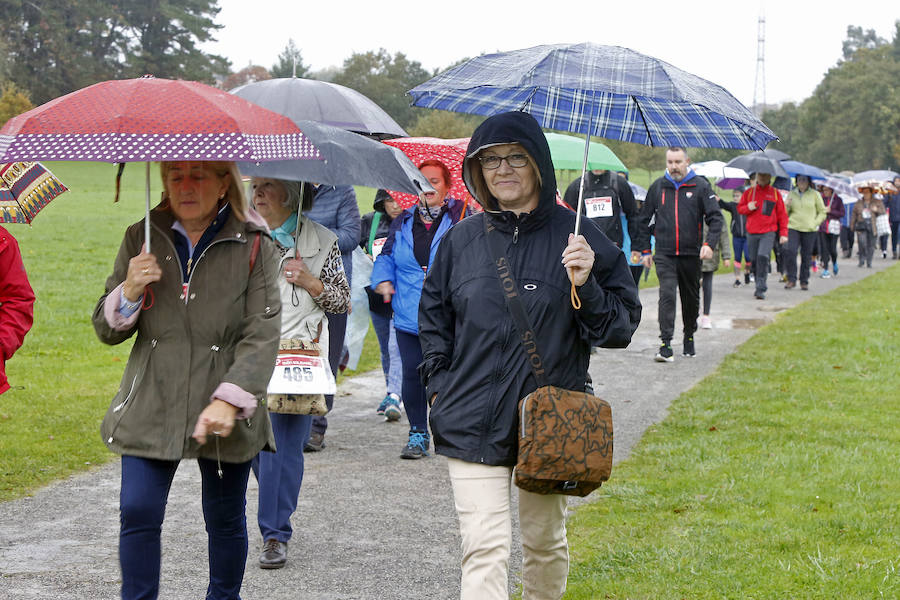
{"x": 565, "y": 436}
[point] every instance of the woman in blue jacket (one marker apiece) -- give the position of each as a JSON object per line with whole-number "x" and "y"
{"x": 398, "y": 275}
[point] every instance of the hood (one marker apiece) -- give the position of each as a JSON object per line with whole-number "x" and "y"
{"x": 380, "y": 197}
{"x": 512, "y": 128}
{"x": 687, "y": 177}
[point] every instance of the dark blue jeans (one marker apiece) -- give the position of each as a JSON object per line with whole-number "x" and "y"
{"x": 280, "y": 475}
{"x": 142, "y": 506}
{"x": 413, "y": 390}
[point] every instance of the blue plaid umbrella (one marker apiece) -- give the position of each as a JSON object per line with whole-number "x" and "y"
{"x": 607, "y": 91}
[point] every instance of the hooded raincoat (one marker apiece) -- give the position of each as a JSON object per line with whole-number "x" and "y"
{"x": 473, "y": 356}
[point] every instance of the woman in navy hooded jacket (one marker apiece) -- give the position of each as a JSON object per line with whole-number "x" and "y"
{"x": 398, "y": 275}
{"x": 475, "y": 366}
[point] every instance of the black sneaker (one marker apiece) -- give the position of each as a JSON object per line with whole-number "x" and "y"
{"x": 747, "y": 278}
{"x": 737, "y": 283}
{"x": 689, "y": 347}
{"x": 417, "y": 446}
{"x": 665, "y": 354}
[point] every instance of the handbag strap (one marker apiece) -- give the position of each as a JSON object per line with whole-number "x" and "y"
{"x": 514, "y": 303}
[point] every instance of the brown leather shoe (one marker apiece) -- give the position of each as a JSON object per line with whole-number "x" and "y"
{"x": 274, "y": 554}
{"x": 804, "y": 286}
{"x": 790, "y": 285}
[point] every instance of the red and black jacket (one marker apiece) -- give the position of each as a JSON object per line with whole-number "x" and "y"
{"x": 678, "y": 212}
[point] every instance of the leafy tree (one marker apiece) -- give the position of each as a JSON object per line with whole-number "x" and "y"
{"x": 385, "y": 79}
{"x": 857, "y": 39}
{"x": 290, "y": 63}
{"x": 13, "y": 101}
{"x": 163, "y": 38}
{"x": 249, "y": 74}
{"x": 54, "y": 46}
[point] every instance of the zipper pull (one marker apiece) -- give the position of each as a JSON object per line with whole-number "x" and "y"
{"x": 190, "y": 259}
{"x": 516, "y": 234}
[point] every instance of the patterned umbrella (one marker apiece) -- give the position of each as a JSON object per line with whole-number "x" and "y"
{"x": 26, "y": 188}
{"x": 449, "y": 152}
{"x": 151, "y": 119}
{"x": 607, "y": 91}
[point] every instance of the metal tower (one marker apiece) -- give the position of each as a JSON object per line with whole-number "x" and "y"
{"x": 759, "y": 82}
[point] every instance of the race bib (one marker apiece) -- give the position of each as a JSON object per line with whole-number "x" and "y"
{"x": 377, "y": 247}
{"x": 598, "y": 207}
{"x": 301, "y": 374}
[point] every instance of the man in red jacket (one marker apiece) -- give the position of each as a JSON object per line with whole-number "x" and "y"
{"x": 16, "y": 302}
{"x": 766, "y": 217}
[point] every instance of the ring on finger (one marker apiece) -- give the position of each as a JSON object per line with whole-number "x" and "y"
{"x": 145, "y": 270}
{"x": 289, "y": 273}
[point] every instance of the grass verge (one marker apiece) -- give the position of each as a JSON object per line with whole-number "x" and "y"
{"x": 775, "y": 477}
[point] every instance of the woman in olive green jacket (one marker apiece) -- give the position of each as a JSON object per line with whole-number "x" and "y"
{"x": 206, "y": 310}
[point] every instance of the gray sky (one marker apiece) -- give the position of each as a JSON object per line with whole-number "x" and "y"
{"x": 716, "y": 40}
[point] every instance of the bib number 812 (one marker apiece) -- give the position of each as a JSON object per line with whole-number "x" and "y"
{"x": 298, "y": 374}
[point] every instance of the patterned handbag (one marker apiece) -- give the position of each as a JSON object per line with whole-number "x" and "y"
{"x": 565, "y": 436}
{"x": 883, "y": 225}
{"x": 298, "y": 404}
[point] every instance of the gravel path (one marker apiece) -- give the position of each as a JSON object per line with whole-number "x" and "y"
{"x": 368, "y": 524}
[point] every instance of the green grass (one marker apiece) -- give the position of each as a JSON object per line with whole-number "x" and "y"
{"x": 63, "y": 377}
{"x": 775, "y": 477}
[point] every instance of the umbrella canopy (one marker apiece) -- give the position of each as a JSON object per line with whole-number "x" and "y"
{"x": 26, "y": 188}
{"x": 321, "y": 101}
{"x": 450, "y": 152}
{"x": 842, "y": 187}
{"x": 795, "y": 168}
{"x": 607, "y": 91}
{"x": 758, "y": 162}
{"x": 880, "y": 181}
{"x": 352, "y": 159}
{"x": 776, "y": 154}
{"x": 719, "y": 170}
{"x": 567, "y": 152}
{"x": 149, "y": 119}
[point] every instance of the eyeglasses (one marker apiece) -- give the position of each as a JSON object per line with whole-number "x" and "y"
{"x": 516, "y": 161}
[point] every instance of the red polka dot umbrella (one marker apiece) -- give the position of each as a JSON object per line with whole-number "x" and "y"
{"x": 449, "y": 152}
{"x": 151, "y": 119}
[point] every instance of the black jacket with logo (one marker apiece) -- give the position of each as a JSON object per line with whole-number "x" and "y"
{"x": 473, "y": 356}
{"x": 680, "y": 213}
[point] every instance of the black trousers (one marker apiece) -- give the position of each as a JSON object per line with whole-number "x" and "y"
{"x": 804, "y": 242}
{"x": 682, "y": 272}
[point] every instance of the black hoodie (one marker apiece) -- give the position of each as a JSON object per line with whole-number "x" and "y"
{"x": 473, "y": 357}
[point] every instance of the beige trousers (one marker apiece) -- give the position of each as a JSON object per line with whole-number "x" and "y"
{"x": 482, "y": 497}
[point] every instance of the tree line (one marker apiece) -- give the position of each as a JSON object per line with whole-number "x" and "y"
{"x": 49, "y": 48}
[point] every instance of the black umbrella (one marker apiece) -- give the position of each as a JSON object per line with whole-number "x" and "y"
{"x": 324, "y": 102}
{"x": 352, "y": 160}
{"x": 759, "y": 162}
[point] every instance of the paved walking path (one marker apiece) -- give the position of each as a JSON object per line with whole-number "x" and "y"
{"x": 368, "y": 525}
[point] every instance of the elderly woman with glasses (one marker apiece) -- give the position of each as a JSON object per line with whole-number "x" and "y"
{"x": 398, "y": 275}
{"x": 312, "y": 282}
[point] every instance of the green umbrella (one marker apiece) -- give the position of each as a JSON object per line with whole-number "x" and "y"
{"x": 568, "y": 153}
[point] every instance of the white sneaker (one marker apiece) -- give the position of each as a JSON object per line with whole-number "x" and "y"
{"x": 705, "y": 322}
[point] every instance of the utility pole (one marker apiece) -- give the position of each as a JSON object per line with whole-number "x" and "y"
{"x": 759, "y": 82}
